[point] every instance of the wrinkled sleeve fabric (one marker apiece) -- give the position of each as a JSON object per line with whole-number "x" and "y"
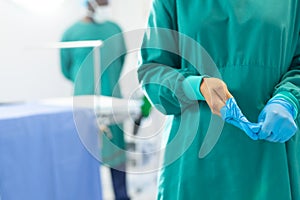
{"x": 65, "y": 58}
{"x": 160, "y": 71}
{"x": 289, "y": 87}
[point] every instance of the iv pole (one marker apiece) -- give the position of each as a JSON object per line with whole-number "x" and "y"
{"x": 96, "y": 44}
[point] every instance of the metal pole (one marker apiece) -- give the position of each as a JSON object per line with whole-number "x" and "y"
{"x": 96, "y": 44}
{"x": 97, "y": 71}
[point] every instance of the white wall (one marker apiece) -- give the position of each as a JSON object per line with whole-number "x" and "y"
{"x": 28, "y": 72}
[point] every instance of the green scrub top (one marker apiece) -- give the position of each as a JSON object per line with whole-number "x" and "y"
{"x": 77, "y": 66}
{"x": 256, "y": 47}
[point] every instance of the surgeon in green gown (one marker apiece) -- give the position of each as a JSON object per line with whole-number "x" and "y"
{"x": 77, "y": 66}
{"x": 255, "y": 46}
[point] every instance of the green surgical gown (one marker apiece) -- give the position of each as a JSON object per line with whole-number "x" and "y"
{"x": 77, "y": 66}
{"x": 255, "y": 46}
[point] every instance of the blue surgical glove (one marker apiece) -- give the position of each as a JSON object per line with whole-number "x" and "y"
{"x": 232, "y": 114}
{"x": 277, "y": 120}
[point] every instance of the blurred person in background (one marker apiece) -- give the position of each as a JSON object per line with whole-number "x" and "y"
{"x": 77, "y": 66}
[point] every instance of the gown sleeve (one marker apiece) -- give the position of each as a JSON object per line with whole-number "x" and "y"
{"x": 289, "y": 86}
{"x": 160, "y": 72}
{"x": 65, "y": 59}
{"x": 122, "y": 49}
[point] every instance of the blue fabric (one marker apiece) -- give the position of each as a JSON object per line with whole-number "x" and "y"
{"x": 42, "y": 157}
{"x": 289, "y": 97}
{"x": 119, "y": 184}
{"x": 277, "y": 120}
{"x": 232, "y": 114}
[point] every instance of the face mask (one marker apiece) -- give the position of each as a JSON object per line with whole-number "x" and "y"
{"x": 101, "y": 13}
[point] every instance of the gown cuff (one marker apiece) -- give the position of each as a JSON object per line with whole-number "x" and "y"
{"x": 290, "y": 98}
{"x": 191, "y": 87}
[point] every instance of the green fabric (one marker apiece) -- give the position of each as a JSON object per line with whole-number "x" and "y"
{"x": 191, "y": 87}
{"x": 77, "y": 66}
{"x": 255, "y": 45}
{"x": 146, "y": 107}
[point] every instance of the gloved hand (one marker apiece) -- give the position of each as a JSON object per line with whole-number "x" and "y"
{"x": 232, "y": 114}
{"x": 277, "y": 120}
